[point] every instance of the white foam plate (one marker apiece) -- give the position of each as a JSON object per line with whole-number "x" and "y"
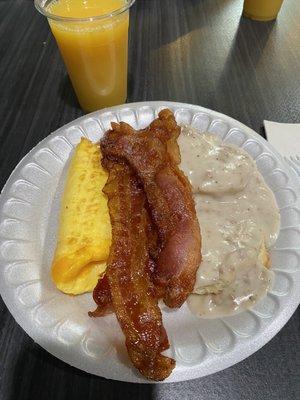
{"x": 29, "y": 208}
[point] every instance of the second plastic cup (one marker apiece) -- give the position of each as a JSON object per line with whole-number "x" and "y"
{"x": 94, "y": 48}
{"x": 262, "y": 10}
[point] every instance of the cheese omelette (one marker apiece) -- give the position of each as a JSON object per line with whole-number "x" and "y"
{"x": 84, "y": 235}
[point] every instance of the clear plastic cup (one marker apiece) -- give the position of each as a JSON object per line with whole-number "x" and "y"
{"x": 262, "y": 10}
{"x": 95, "y": 52}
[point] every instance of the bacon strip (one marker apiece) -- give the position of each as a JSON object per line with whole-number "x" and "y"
{"x": 153, "y": 154}
{"x": 127, "y": 274}
{"x": 101, "y": 293}
{"x": 102, "y": 298}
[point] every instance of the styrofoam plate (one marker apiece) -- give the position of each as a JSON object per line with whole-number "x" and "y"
{"x": 29, "y": 208}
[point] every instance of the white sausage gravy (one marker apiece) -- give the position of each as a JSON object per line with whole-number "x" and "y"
{"x": 239, "y": 221}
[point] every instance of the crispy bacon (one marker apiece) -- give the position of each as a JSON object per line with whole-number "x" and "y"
{"x": 102, "y": 298}
{"x": 154, "y": 156}
{"x": 127, "y": 275}
{"x": 101, "y": 293}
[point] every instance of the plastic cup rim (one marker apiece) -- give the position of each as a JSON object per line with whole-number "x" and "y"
{"x": 39, "y": 5}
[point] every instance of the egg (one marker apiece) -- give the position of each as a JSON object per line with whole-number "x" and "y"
{"x": 84, "y": 234}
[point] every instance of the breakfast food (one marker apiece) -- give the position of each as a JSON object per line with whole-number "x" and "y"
{"x": 239, "y": 223}
{"x": 146, "y": 184}
{"x": 169, "y": 198}
{"x": 139, "y": 231}
{"x": 84, "y": 235}
{"x": 127, "y": 276}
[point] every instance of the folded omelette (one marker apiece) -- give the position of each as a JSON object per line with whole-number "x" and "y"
{"x": 84, "y": 234}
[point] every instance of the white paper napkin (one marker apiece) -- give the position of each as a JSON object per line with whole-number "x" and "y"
{"x": 284, "y": 137}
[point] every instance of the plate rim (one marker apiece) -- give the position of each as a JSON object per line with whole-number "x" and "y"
{"x": 224, "y": 362}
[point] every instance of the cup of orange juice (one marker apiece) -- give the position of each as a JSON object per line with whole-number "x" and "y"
{"x": 262, "y": 10}
{"x": 92, "y": 36}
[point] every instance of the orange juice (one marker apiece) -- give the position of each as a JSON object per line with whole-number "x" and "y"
{"x": 262, "y": 10}
{"x": 94, "y": 50}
